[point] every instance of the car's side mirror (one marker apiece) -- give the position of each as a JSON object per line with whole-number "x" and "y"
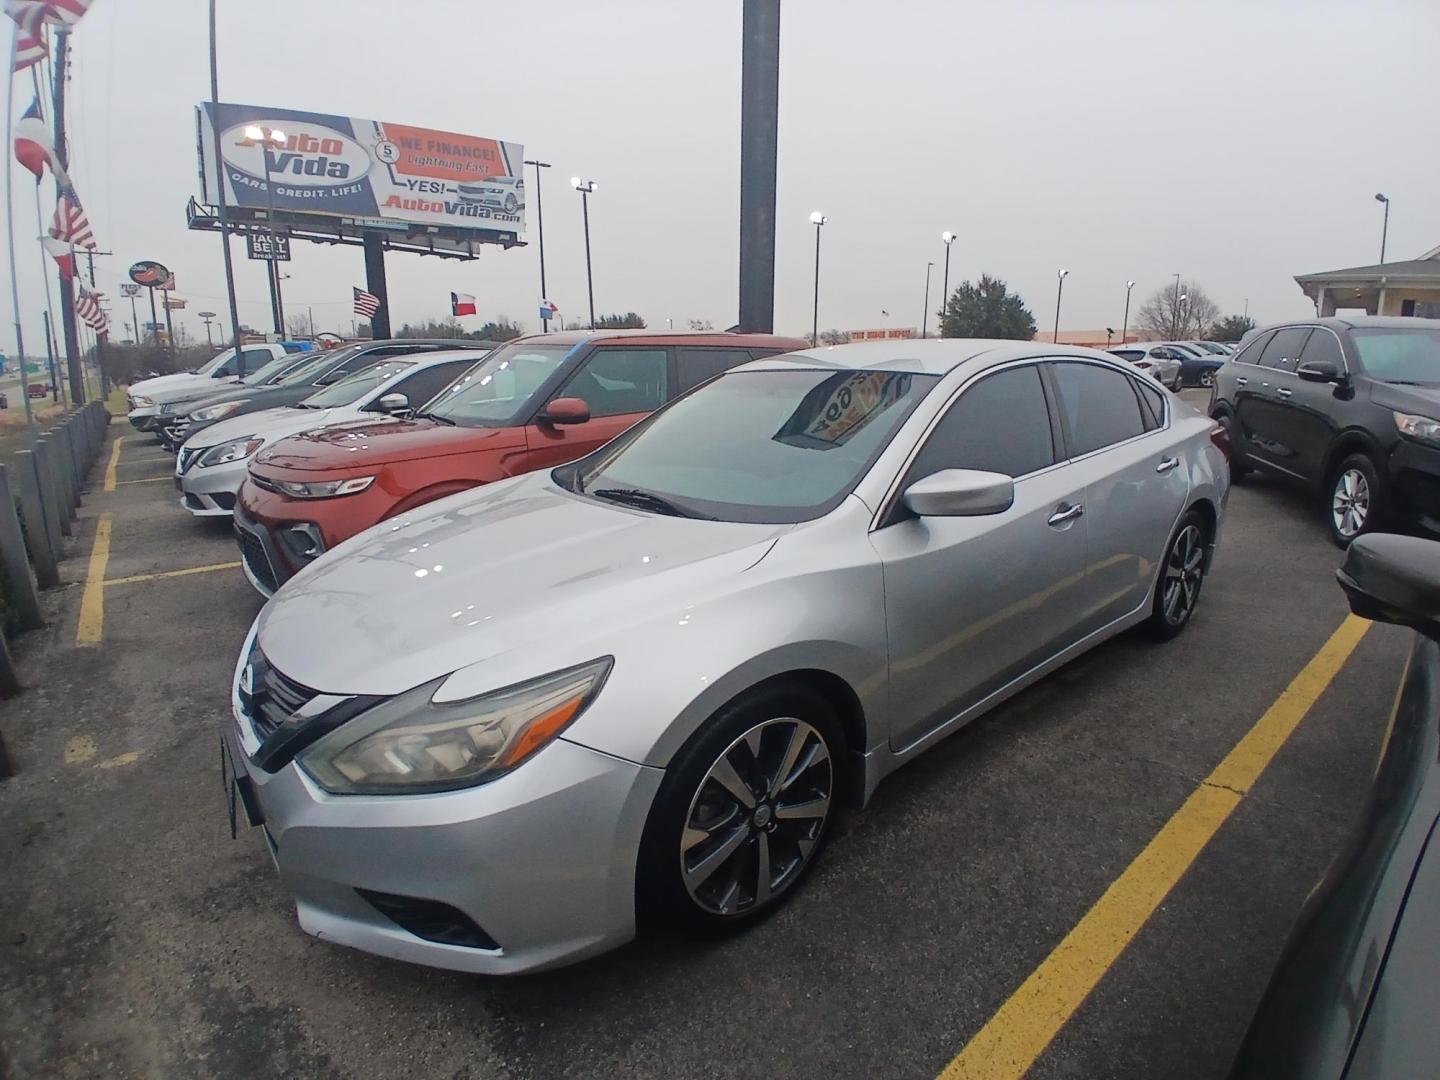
{"x": 960, "y": 493}
{"x": 1394, "y": 579}
{"x": 393, "y": 405}
{"x": 1319, "y": 371}
{"x": 565, "y": 410}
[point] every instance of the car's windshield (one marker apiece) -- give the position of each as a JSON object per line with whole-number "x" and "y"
{"x": 307, "y": 372}
{"x": 354, "y": 387}
{"x": 762, "y": 446}
{"x": 1400, "y": 355}
{"x": 263, "y": 374}
{"x": 498, "y": 390}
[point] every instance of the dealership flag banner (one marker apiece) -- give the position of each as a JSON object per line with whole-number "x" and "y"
{"x": 348, "y": 167}
{"x": 462, "y": 304}
{"x": 70, "y": 223}
{"x": 548, "y": 310}
{"x": 366, "y": 304}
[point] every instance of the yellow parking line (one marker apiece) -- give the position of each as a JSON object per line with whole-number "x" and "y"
{"x": 1023, "y": 1027}
{"x": 92, "y": 603}
{"x": 173, "y": 573}
{"x": 114, "y": 463}
{"x": 147, "y": 480}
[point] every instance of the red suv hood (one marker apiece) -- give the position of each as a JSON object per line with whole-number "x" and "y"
{"x": 376, "y": 442}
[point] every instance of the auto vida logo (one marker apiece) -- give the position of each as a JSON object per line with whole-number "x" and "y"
{"x": 312, "y": 155}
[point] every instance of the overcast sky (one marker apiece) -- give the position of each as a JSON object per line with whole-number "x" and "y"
{"x": 1238, "y": 143}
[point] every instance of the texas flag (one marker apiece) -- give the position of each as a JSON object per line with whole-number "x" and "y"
{"x": 462, "y": 304}
{"x": 548, "y": 310}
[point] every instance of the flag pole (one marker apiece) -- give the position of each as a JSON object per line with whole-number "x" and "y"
{"x": 220, "y": 187}
{"x": 44, "y": 260}
{"x": 10, "y": 226}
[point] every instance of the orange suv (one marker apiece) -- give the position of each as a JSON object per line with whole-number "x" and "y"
{"x": 534, "y": 403}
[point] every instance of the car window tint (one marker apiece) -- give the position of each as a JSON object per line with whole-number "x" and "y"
{"x": 617, "y": 381}
{"x": 1284, "y": 348}
{"x": 1152, "y": 403}
{"x": 1162, "y": 353}
{"x": 1000, "y": 424}
{"x": 1099, "y": 406}
{"x": 1250, "y": 354}
{"x": 426, "y": 383}
{"x": 694, "y": 366}
{"x": 1324, "y": 347}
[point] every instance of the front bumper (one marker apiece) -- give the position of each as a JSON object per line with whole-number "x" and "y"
{"x": 209, "y": 490}
{"x": 145, "y": 418}
{"x": 1415, "y": 483}
{"x": 541, "y": 860}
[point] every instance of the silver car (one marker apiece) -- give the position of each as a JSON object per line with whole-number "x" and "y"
{"x": 485, "y": 735}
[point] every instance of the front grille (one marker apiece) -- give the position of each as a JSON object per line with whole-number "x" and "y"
{"x": 252, "y": 550}
{"x": 274, "y": 697}
{"x": 187, "y": 458}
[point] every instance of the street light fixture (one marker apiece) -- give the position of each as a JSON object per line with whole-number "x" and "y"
{"x": 1125, "y": 322}
{"x": 1059, "y": 291}
{"x": 540, "y": 226}
{"x": 818, "y": 220}
{"x": 1385, "y": 227}
{"x": 586, "y": 189}
{"x": 947, "y": 238}
{"x": 268, "y": 137}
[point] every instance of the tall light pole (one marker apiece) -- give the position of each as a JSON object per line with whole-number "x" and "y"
{"x": 1059, "y": 291}
{"x": 1180, "y": 320}
{"x": 1385, "y": 226}
{"x": 540, "y": 227}
{"x": 947, "y": 238}
{"x": 1175, "y": 310}
{"x": 818, "y": 220}
{"x": 268, "y": 137}
{"x": 586, "y": 189}
{"x": 925, "y": 313}
{"x": 1125, "y": 322}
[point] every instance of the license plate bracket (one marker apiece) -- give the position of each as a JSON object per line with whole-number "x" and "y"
{"x": 239, "y": 789}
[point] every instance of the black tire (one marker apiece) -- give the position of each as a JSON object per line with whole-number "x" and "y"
{"x": 689, "y": 794}
{"x": 1182, "y": 575}
{"x": 1366, "y": 502}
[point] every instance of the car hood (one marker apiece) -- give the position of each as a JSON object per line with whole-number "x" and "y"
{"x": 1423, "y": 400}
{"x": 174, "y": 387}
{"x": 488, "y": 571}
{"x": 269, "y": 424}
{"x": 380, "y": 441}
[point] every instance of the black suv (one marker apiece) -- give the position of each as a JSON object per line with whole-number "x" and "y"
{"x": 1349, "y": 407}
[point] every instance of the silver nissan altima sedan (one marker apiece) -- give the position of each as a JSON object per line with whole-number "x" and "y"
{"x": 496, "y": 733}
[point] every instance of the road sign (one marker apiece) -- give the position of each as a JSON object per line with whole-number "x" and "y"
{"x": 260, "y": 247}
{"x": 206, "y": 314}
{"x": 129, "y": 288}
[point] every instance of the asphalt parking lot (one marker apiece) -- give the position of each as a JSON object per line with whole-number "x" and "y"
{"x": 138, "y": 940}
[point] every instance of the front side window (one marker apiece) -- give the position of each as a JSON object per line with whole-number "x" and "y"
{"x": 1399, "y": 355}
{"x": 254, "y": 359}
{"x": 1323, "y": 347}
{"x": 759, "y": 446}
{"x": 618, "y": 381}
{"x": 498, "y": 390}
{"x": 694, "y": 365}
{"x": 1000, "y": 424}
{"x": 1099, "y": 406}
{"x": 1283, "y": 351}
{"x": 352, "y": 389}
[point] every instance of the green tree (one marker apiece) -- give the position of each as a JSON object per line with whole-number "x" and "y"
{"x": 629, "y": 321}
{"x": 1231, "y": 328}
{"x": 987, "y": 310}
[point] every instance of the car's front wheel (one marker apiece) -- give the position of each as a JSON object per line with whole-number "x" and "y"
{"x": 1356, "y": 503}
{"x": 1207, "y": 377}
{"x": 743, "y": 811}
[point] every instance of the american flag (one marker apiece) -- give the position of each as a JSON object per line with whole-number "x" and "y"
{"x": 70, "y": 223}
{"x": 366, "y": 304}
{"x": 31, "y": 13}
{"x": 87, "y": 307}
{"x": 29, "y": 46}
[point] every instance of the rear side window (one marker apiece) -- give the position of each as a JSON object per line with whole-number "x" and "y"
{"x": 1250, "y": 354}
{"x": 694, "y": 366}
{"x": 1001, "y": 424}
{"x": 1099, "y": 406}
{"x": 1283, "y": 351}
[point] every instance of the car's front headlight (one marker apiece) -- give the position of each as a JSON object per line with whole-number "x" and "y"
{"x": 234, "y": 450}
{"x": 1421, "y": 428}
{"x": 411, "y": 744}
{"x": 216, "y": 412}
{"x": 140, "y": 401}
{"x": 324, "y": 489}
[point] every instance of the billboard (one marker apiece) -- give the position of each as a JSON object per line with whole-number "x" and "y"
{"x": 376, "y": 172}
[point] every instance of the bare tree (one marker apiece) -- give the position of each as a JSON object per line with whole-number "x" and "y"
{"x": 833, "y": 337}
{"x": 299, "y": 325}
{"x": 1178, "y": 314}
{"x": 701, "y": 324}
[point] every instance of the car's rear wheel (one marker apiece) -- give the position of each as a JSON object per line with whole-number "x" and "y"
{"x": 1182, "y": 574}
{"x": 743, "y": 812}
{"x": 1357, "y": 500}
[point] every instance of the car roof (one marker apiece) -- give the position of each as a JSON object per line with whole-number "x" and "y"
{"x": 668, "y": 337}
{"x": 440, "y": 356}
{"x": 1355, "y": 322}
{"x": 929, "y": 356}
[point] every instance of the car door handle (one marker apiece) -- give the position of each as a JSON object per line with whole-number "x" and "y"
{"x": 1242, "y": 381}
{"x": 1166, "y": 464}
{"x": 1064, "y": 513}
{"x": 1283, "y": 392}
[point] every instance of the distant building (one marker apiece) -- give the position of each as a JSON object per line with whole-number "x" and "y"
{"x": 887, "y": 333}
{"x": 1092, "y": 339}
{"x": 1409, "y": 287}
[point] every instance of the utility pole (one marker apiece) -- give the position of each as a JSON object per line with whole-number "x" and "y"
{"x": 67, "y": 288}
{"x": 540, "y": 224}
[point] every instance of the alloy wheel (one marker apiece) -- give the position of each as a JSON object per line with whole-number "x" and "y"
{"x": 1207, "y": 378}
{"x": 1350, "y": 504}
{"x": 1184, "y": 568}
{"x": 756, "y": 817}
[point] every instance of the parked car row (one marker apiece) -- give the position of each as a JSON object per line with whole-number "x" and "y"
{"x": 1176, "y": 363}
{"x": 602, "y": 626}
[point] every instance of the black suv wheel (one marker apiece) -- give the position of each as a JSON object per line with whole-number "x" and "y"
{"x": 1356, "y": 499}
